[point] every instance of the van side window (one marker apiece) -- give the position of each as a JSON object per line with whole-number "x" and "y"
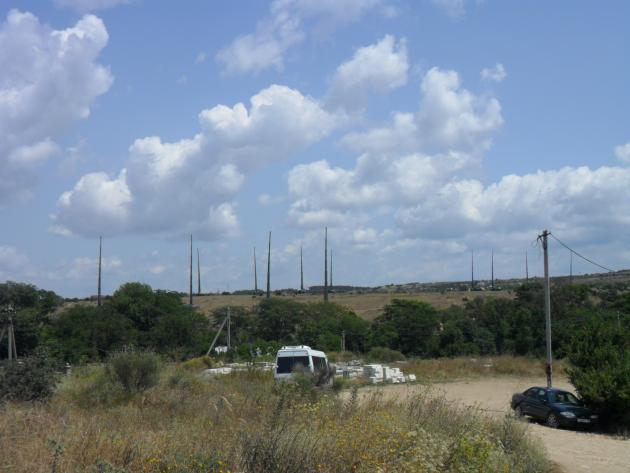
{"x": 319, "y": 363}
{"x": 288, "y": 364}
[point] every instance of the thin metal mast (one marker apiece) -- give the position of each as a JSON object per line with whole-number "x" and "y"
{"x": 100, "y": 253}
{"x": 269, "y": 268}
{"x": 190, "y": 291}
{"x": 326, "y": 264}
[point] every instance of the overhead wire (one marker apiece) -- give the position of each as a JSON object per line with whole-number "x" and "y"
{"x": 581, "y": 256}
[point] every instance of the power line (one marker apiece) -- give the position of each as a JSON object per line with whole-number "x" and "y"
{"x": 581, "y": 256}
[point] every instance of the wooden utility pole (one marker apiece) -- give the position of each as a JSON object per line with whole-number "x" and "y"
{"x": 269, "y": 268}
{"x": 549, "y": 369}
{"x": 100, "y": 252}
{"x": 11, "y": 345}
{"x": 190, "y": 292}
{"x": 198, "y": 274}
{"x": 255, "y": 274}
{"x": 326, "y": 264}
{"x": 301, "y": 271}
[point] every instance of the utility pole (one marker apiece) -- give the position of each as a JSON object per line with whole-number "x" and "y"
{"x": 190, "y": 292}
{"x": 301, "y": 271}
{"x": 229, "y": 328}
{"x": 326, "y": 264}
{"x": 492, "y": 270}
{"x": 570, "y": 267}
{"x": 269, "y": 268}
{"x": 343, "y": 340}
{"x": 526, "y": 268}
{"x": 198, "y": 274}
{"x": 255, "y": 274}
{"x": 11, "y": 345}
{"x": 100, "y": 252}
{"x": 549, "y": 369}
{"x": 472, "y": 270}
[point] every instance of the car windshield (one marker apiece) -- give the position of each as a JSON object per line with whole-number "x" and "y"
{"x": 563, "y": 397}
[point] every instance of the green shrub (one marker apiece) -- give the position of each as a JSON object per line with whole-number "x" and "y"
{"x": 28, "y": 379}
{"x": 599, "y": 357}
{"x": 197, "y": 364}
{"x": 386, "y": 355}
{"x": 134, "y": 370}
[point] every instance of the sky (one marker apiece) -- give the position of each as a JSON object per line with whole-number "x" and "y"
{"x": 417, "y": 131}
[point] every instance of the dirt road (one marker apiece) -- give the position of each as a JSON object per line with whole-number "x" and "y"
{"x": 574, "y": 452}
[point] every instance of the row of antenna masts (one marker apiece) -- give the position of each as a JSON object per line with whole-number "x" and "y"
{"x": 328, "y": 269}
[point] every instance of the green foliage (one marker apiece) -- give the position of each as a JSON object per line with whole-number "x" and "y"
{"x": 599, "y": 354}
{"x": 384, "y": 355}
{"x": 134, "y": 370}
{"x": 29, "y": 379}
{"x": 407, "y": 326}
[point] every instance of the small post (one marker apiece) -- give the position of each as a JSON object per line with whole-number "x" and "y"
{"x": 549, "y": 369}
{"x": 100, "y": 252}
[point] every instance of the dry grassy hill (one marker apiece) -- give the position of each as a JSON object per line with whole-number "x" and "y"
{"x": 367, "y": 306}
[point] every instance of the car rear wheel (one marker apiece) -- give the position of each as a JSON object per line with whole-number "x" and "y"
{"x": 553, "y": 421}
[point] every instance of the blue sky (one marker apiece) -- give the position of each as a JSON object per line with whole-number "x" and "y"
{"x": 416, "y": 131}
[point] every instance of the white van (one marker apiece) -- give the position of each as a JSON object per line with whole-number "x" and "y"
{"x": 300, "y": 358}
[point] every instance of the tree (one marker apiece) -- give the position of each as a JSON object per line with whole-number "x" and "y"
{"x": 410, "y": 327}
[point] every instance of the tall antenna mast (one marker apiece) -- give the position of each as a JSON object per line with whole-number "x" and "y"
{"x": 492, "y": 264}
{"x": 198, "y": 274}
{"x": 255, "y": 274}
{"x": 326, "y": 264}
{"x": 472, "y": 270}
{"x": 100, "y": 252}
{"x": 190, "y": 292}
{"x": 301, "y": 271}
{"x": 269, "y": 268}
{"x": 526, "y": 268}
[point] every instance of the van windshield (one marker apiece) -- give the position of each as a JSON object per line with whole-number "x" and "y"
{"x": 289, "y": 364}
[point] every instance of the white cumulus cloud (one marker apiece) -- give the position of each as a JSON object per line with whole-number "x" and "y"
{"x": 496, "y": 73}
{"x": 380, "y": 68}
{"x": 622, "y": 152}
{"x": 48, "y": 81}
{"x": 90, "y": 5}
{"x": 287, "y": 25}
{"x": 188, "y": 185}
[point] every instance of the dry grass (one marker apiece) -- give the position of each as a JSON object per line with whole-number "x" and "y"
{"x": 244, "y": 423}
{"x": 451, "y": 369}
{"x": 367, "y": 306}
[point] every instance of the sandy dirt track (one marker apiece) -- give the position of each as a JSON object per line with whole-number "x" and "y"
{"x": 573, "y": 452}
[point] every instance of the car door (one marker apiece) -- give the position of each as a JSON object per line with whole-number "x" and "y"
{"x": 528, "y": 399}
{"x": 539, "y": 404}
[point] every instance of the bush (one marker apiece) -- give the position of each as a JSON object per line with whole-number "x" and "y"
{"x": 386, "y": 355}
{"x": 27, "y": 379}
{"x": 599, "y": 357}
{"x": 134, "y": 370}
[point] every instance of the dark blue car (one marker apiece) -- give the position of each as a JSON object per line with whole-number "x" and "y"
{"x": 555, "y": 407}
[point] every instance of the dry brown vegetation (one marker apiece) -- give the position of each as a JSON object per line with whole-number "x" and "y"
{"x": 244, "y": 423}
{"x": 458, "y": 368}
{"x": 367, "y": 306}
